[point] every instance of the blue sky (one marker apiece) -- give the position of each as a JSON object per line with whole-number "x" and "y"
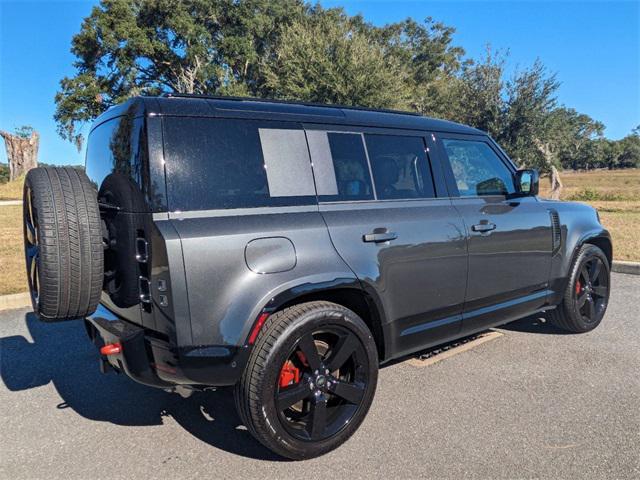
{"x": 594, "y": 47}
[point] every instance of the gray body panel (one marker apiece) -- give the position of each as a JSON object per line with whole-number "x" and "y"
{"x": 509, "y": 263}
{"x": 419, "y": 278}
{"x": 579, "y": 225}
{"x": 225, "y": 296}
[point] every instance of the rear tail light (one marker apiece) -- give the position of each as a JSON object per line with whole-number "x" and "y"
{"x": 111, "y": 349}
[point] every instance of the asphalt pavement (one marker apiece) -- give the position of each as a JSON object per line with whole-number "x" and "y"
{"x": 533, "y": 403}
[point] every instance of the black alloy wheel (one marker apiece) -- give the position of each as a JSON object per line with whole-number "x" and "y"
{"x": 310, "y": 379}
{"x": 592, "y": 290}
{"x": 586, "y": 296}
{"x": 322, "y": 383}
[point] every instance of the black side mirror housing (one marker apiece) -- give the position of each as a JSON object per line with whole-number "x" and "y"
{"x": 527, "y": 182}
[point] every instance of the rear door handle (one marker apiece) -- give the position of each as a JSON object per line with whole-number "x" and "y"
{"x": 379, "y": 236}
{"x": 483, "y": 227}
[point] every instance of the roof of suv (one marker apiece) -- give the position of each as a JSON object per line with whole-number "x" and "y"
{"x": 212, "y": 106}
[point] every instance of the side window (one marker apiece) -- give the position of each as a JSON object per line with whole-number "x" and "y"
{"x": 400, "y": 167}
{"x": 227, "y": 163}
{"x": 340, "y": 166}
{"x": 477, "y": 169}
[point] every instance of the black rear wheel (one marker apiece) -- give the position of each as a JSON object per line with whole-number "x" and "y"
{"x": 310, "y": 380}
{"x": 322, "y": 383}
{"x": 587, "y": 293}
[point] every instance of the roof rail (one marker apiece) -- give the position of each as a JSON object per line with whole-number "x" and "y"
{"x": 286, "y": 102}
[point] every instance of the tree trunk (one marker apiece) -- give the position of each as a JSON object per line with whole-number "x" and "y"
{"x": 556, "y": 184}
{"x": 22, "y": 153}
{"x": 554, "y": 176}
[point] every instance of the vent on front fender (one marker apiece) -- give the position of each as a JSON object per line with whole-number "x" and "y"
{"x": 556, "y": 231}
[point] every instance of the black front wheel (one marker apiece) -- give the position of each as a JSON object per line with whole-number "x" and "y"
{"x": 587, "y": 293}
{"x": 310, "y": 380}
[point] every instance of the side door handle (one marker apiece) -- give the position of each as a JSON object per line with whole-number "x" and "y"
{"x": 379, "y": 235}
{"x": 483, "y": 227}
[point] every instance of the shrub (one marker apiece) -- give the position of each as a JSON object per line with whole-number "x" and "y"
{"x": 4, "y": 173}
{"x": 591, "y": 195}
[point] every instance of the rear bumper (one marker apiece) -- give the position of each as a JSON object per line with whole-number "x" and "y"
{"x": 151, "y": 360}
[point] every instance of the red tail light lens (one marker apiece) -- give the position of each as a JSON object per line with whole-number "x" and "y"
{"x": 111, "y": 349}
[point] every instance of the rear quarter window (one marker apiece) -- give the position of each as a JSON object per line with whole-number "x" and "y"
{"x": 214, "y": 163}
{"x": 119, "y": 147}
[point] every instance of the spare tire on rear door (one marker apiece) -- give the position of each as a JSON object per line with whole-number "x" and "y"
{"x": 123, "y": 225}
{"x": 63, "y": 243}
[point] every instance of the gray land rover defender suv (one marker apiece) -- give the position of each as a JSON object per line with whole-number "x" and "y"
{"x": 287, "y": 250}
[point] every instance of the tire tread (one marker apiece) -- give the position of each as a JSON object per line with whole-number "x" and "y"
{"x": 562, "y": 316}
{"x": 70, "y": 240}
{"x": 246, "y": 393}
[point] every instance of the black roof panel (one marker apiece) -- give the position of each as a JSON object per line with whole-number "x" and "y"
{"x": 195, "y": 105}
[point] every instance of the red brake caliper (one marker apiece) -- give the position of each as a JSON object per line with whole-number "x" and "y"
{"x": 578, "y": 287}
{"x": 289, "y": 374}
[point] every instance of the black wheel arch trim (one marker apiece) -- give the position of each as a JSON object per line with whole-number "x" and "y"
{"x": 330, "y": 290}
{"x": 589, "y": 237}
{"x": 593, "y": 237}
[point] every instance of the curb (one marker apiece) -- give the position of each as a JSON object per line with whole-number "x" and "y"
{"x": 17, "y": 300}
{"x": 631, "y": 268}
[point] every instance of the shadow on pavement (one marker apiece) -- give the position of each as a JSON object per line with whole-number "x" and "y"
{"x": 534, "y": 324}
{"x": 61, "y": 353}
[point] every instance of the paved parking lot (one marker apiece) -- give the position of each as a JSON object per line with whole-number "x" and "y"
{"x": 532, "y": 403}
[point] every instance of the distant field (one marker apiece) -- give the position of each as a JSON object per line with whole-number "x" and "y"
{"x": 616, "y": 195}
{"x": 11, "y": 190}
{"x": 607, "y": 185}
{"x": 13, "y": 278}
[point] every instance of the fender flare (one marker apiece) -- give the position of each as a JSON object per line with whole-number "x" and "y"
{"x": 588, "y": 237}
{"x": 301, "y": 290}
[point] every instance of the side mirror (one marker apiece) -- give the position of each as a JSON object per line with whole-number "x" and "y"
{"x": 527, "y": 182}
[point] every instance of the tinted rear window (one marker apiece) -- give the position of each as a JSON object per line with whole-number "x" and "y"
{"x": 340, "y": 166}
{"x": 400, "y": 167}
{"x": 226, "y": 163}
{"x": 117, "y": 145}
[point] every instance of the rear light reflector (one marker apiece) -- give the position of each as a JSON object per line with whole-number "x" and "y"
{"x": 256, "y": 328}
{"x": 111, "y": 349}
